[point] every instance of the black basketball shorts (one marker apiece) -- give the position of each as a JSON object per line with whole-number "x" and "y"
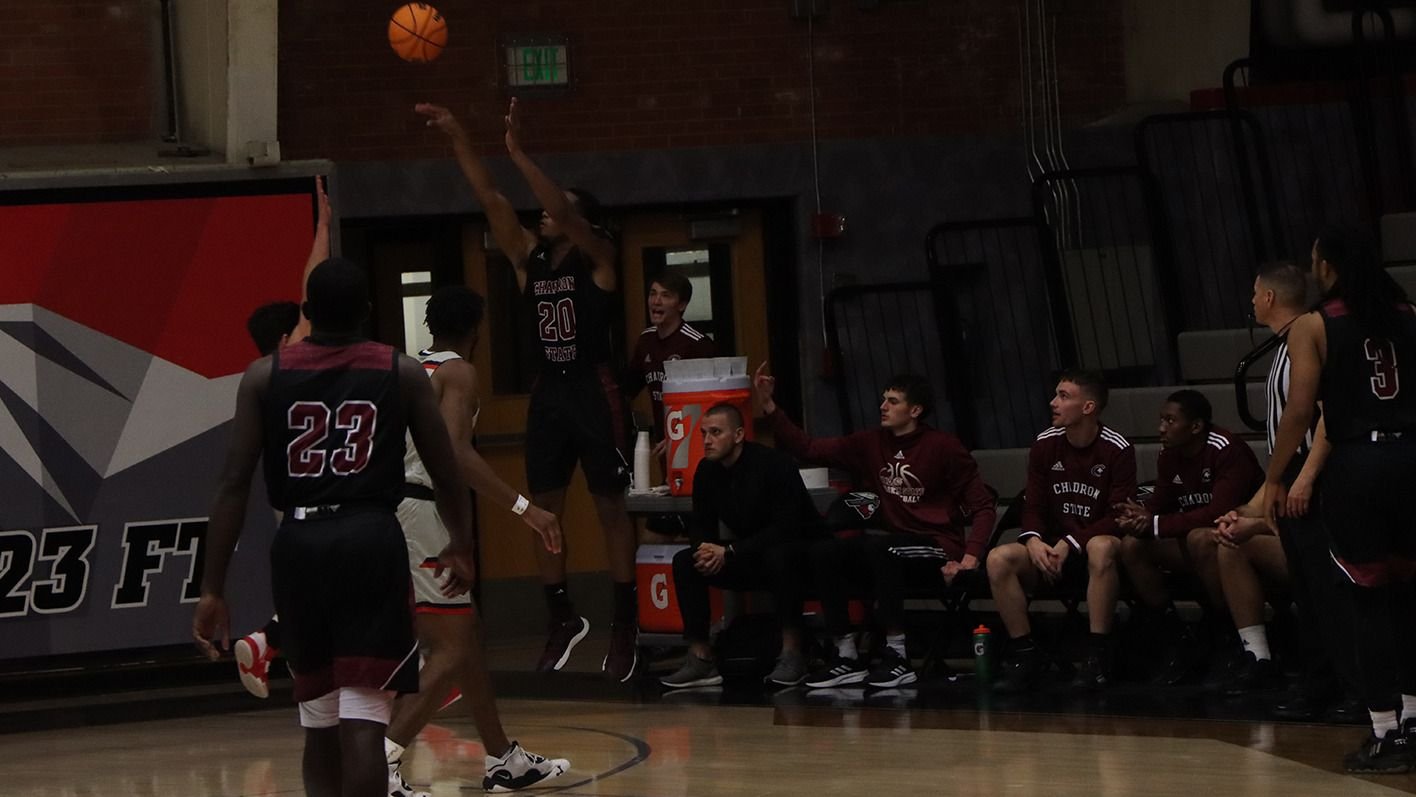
{"x": 577, "y": 419}
{"x": 343, "y": 594}
{"x": 1367, "y": 507}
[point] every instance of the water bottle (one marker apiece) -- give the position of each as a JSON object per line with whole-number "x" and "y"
{"x": 642, "y": 450}
{"x": 983, "y": 650}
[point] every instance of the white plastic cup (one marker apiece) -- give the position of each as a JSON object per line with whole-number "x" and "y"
{"x": 642, "y": 450}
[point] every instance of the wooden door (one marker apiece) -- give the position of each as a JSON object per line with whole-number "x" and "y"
{"x": 730, "y": 252}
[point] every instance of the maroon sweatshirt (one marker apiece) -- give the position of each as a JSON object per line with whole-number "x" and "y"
{"x": 927, "y": 481}
{"x": 1071, "y": 490}
{"x": 1190, "y": 492}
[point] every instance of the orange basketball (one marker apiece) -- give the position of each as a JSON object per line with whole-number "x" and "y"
{"x": 417, "y": 32}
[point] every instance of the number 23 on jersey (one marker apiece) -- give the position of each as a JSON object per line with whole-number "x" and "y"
{"x": 307, "y": 456}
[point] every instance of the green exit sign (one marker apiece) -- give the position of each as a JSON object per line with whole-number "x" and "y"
{"x": 537, "y": 63}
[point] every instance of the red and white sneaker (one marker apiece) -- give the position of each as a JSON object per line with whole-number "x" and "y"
{"x": 253, "y": 657}
{"x": 452, "y": 697}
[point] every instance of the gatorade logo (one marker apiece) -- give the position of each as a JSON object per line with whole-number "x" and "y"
{"x": 681, "y": 424}
{"x": 978, "y": 648}
{"x": 659, "y": 590}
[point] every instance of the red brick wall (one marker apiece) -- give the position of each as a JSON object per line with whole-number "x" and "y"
{"x": 679, "y": 73}
{"x": 76, "y": 71}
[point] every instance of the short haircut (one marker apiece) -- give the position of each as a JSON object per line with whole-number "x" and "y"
{"x": 1289, "y": 282}
{"x": 337, "y": 295}
{"x": 271, "y": 322}
{"x": 734, "y": 415}
{"x": 675, "y": 283}
{"x": 916, "y": 390}
{"x": 1193, "y": 404}
{"x": 454, "y": 311}
{"x": 1092, "y": 383}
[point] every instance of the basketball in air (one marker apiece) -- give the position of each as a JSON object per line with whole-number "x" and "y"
{"x": 417, "y": 32}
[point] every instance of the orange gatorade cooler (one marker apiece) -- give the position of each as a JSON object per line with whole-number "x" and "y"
{"x": 658, "y": 603}
{"x": 691, "y": 387}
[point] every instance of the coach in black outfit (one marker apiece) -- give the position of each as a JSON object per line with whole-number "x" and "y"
{"x": 756, "y": 493}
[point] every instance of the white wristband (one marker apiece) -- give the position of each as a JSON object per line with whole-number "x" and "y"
{"x": 521, "y": 505}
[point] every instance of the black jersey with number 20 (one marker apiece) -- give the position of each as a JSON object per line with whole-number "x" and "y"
{"x": 334, "y": 425}
{"x": 1362, "y": 379}
{"x": 570, "y": 313}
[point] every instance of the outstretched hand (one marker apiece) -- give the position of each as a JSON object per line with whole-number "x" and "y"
{"x": 325, "y": 212}
{"x": 513, "y": 128}
{"x": 764, "y": 385}
{"x": 442, "y": 119}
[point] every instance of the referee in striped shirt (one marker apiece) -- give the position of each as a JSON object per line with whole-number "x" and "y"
{"x": 1250, "y": 554}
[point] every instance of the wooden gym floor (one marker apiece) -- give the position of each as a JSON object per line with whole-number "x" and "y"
{"x": 633, "y": 741}
{"x": 628, "y": 749}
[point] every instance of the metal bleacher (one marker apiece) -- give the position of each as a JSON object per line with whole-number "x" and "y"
{"x": 1207, "y": 360}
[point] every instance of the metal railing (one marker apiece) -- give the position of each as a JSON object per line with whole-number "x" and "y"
{"x": 875, "y": 332}
{"x": 994, "y": 276}
{"x": 1115, "y": 298}
{"x": 1241, "y": 381}
{"x": 1341, "y": 149}
{"x": 1214, "y": 206}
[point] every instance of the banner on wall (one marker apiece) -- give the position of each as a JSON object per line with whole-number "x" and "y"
{"x": 122, "y": 340}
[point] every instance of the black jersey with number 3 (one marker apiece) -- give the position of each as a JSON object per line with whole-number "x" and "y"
{"x": 1369, "y": 379}
{"x": 569, "y": 312}
{"x": 334, "y": 425}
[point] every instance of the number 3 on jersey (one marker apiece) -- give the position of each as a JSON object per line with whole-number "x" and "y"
{"x": 307, "y": 457}
{"x": 1386, "y": 381}
{"x": 557, "y": 320}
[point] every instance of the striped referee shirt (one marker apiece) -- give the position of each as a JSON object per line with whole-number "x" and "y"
{"x": 1277, "y": 395}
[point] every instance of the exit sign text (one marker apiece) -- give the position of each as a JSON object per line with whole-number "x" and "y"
{"x": 536, "y": 65}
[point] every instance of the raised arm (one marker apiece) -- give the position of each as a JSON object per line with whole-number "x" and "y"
{"x": 559, "y": 207}
{"x": 516, "y": 242}
{"x": 455, "y": 385}
{"x": 319, "y": 253}
{"x": 228, "y": 512}
{"x": 838, "y": 452}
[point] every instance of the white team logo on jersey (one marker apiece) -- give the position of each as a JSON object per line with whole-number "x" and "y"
{"x": 1098, "y": 470}
{"x": 899, "y": 480}
{"x": 1206, "y": 475}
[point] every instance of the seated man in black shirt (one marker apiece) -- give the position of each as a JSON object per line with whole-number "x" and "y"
{"x": 756, "y": 493}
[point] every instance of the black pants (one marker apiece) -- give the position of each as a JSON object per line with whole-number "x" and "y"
{"x": 779, "y": 570}
{"x": 1324, "y": 603}
{"x": 884, "y": 566}
{"x": 1366, "y": 507}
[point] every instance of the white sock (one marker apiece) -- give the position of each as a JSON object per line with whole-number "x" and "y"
{"x": 393, "y": 751}
{"x": 1383, "y": 722}
{"x": 1255, "y": 638}
{"x": 896, "y": 642}
{"x": 1408, "y": 707}
{"x": 846, "y": 649}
